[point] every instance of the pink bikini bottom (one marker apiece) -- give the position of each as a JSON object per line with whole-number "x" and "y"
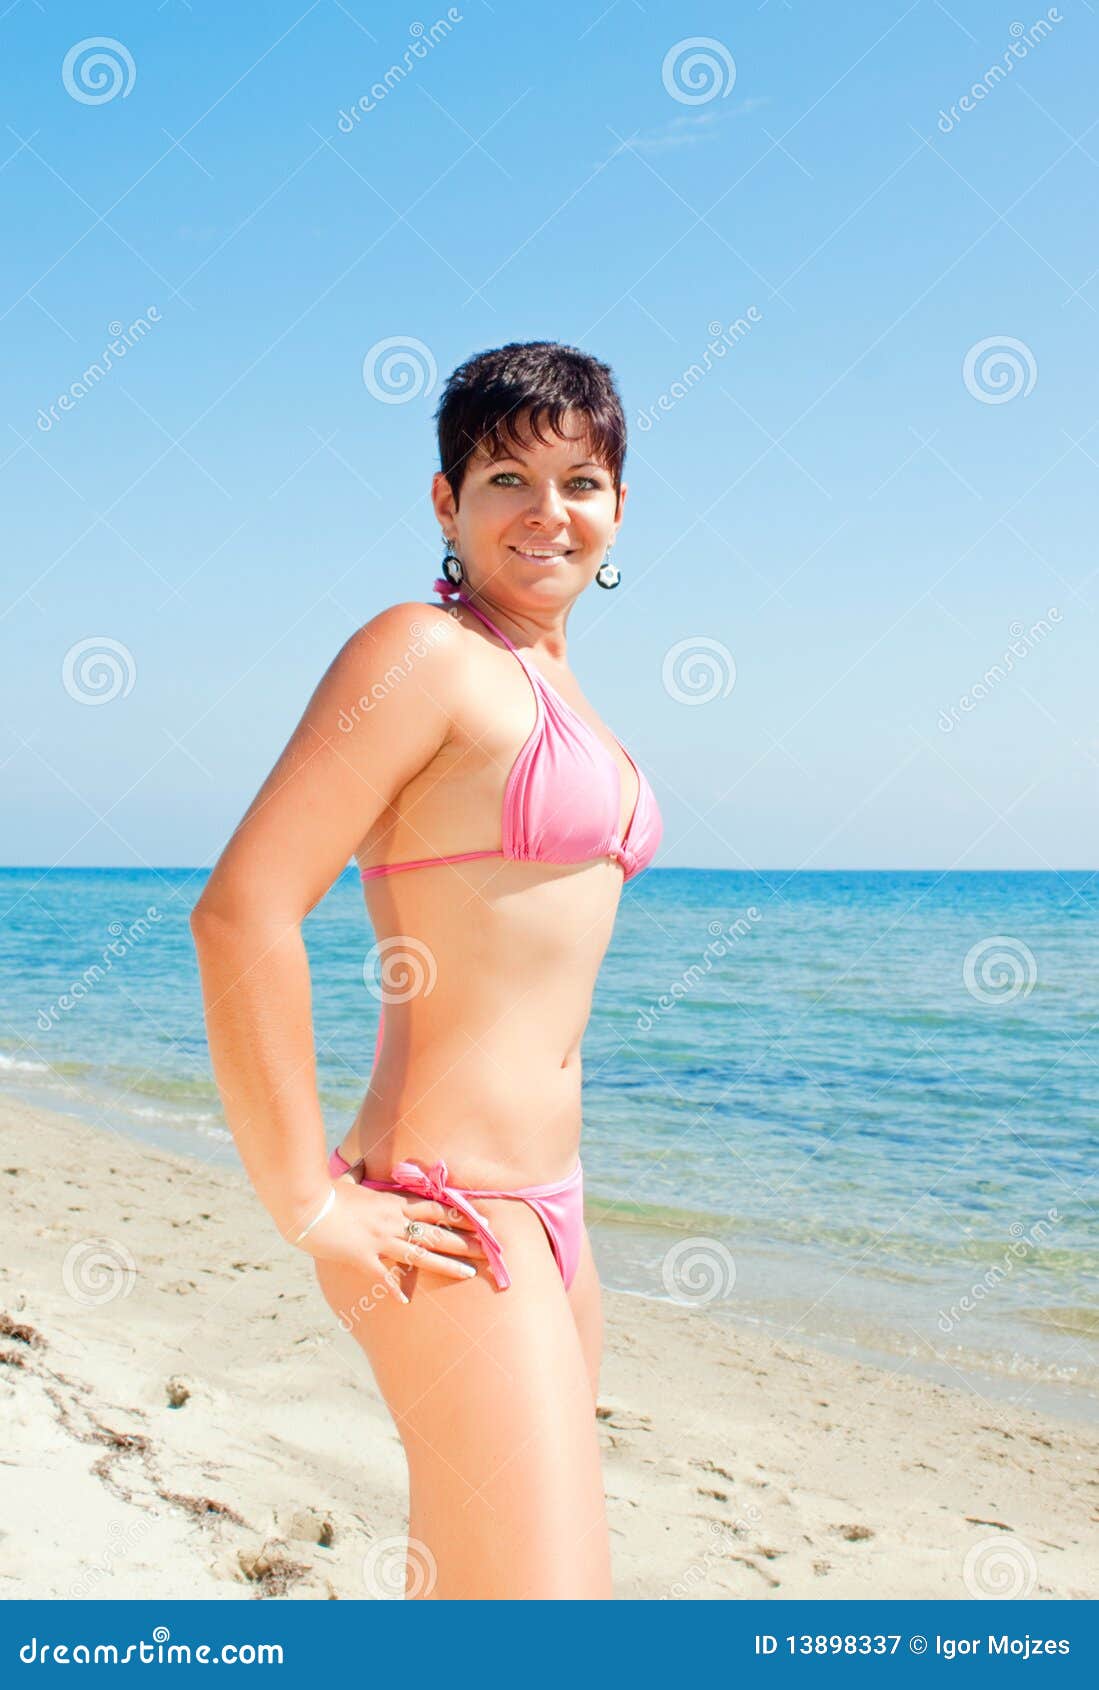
{"x": 560, "y": 1208}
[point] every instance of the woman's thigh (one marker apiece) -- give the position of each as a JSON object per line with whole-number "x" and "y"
{"x": 492, "y": 1393}
{"x": 586, "y": 1302}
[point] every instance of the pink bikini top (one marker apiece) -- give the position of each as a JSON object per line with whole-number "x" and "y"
{"x": 563, "y": 796}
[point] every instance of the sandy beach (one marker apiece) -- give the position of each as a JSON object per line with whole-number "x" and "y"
{"x": 183, "y": 1418}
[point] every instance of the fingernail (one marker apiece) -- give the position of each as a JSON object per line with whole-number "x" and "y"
{"x": 468, "y": 1269}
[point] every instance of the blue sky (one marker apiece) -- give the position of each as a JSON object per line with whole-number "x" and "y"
{"x": 840, "y": 515}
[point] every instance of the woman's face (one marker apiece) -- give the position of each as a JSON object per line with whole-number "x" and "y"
{"x": 545, "y": 499}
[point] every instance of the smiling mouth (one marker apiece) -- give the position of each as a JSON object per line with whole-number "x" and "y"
{"x": 542, "y": 556}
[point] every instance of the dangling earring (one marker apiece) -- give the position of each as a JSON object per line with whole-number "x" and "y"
{"x": 608, "y": 574}
{"x": 452, "y": 564}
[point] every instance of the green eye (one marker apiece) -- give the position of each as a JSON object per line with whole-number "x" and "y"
{"x": 505, "y": 475}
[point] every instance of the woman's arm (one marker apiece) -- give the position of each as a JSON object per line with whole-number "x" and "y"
{"x": 378, "y": 716}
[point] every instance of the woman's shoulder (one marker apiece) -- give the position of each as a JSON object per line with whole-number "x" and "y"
{"x": 411, "y": 616}
{"x": 412, "y": 642}
{"x": 410, "y": 625}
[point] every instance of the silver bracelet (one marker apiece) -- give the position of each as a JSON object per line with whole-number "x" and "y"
{"x": 319, "y": 1216}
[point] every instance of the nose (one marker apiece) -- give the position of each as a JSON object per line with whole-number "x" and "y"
{"x": 547, "y": 508}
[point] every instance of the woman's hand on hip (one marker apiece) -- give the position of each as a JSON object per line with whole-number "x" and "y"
{"x": 365, "y": 1229}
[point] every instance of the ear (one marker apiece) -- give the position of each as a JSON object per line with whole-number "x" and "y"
{"x": 442, "y": 499}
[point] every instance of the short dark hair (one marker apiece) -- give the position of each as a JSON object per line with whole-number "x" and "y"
{"x": 489, "y": 397}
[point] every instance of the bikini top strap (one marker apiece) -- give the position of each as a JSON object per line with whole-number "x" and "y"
{"x": 491, "y": 626}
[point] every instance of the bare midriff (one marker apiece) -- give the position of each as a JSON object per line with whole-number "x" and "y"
{"x": 486, "y": 971}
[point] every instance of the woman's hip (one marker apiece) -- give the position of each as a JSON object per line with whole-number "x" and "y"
{"x": 558, "y": 1205}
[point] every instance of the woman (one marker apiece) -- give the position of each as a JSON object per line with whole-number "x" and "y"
{"x": 494, "y": 819}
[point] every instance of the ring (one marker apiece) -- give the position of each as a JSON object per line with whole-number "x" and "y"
{"x": 413, "y": 1230}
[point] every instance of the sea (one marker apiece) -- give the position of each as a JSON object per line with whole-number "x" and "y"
{"x": 858, "y": 1111}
